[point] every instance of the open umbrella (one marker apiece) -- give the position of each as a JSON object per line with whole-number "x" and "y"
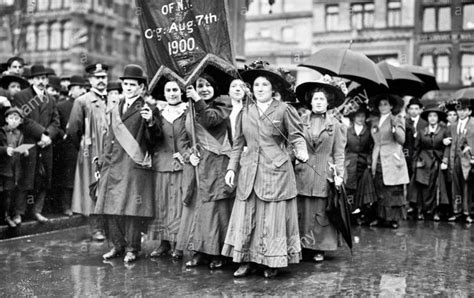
{"x": 467, "y": 93}
{"x": 338, "y": 211}
{"x": 424, "y": 74}
{"x": 401, "y": 81}
{"x": 347, "y": 64}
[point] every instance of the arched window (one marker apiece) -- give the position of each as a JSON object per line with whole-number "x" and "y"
{"x": 31, "y": 38}
{"x": 43, "y": 39}
{"x": 55, "y": 39}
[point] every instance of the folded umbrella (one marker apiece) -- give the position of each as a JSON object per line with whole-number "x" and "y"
{"x": 347, "y": 64}
{"x": 401, "y": 81}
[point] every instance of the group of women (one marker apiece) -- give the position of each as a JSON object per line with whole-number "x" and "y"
{"x": 249, "y": 181}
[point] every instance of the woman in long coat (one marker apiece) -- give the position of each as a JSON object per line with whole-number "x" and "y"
{"x": 263, "y": 228}
{"x": 168, "y": 161}
{"x": 431, "y": 155}
{"x": 357, "y": 162}
{"x": 389, "y": 167}
{"x": 206, "y": 218}
{"x": 326, "y": 140}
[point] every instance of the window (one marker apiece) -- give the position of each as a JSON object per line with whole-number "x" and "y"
{"x": 442, "y": 69}
{"x": 110, "y": 41}
{"x": 362, "y": 16}
{"x": 99, "y": 37}
{"x": 468, "y": 17}
{"x": 394, "y": 13}
{"x": 31, "y": 38}
{"x": 43, "y": 40}
{"x": 42, "y": 4}
{"x": 264, "y": 32}
{"x": 67, "y": 35}
{"x": 467, "y": 66}
{"x": 125, "y": 44}
{"x": 437, "y": 19}
{"x": 332, "y": 17}
{"x": 56, "y": 4}
{"x": 427, "y": 61}
{"x": 55, "y": 40}
{"x": 288, "y": 34}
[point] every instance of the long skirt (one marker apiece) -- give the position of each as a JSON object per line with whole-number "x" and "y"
{"x": 204, "y": 225}
{"x": 263, "y": 232}
{"x": 168, "y": 206}
{"x": 316, "y": 231}
{"x": 391, "y": 200}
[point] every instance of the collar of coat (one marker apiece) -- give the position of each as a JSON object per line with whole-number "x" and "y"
{"x": 352, "y": 129}
{"x": 426, "y": 130}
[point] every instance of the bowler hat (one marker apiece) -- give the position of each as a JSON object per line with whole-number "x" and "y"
{"x": 76, "y": 80}
{"x": 464, "y": 103}
{"x": 54, "y": 82}
{"x": 97, "y": 69}
{"x": 50, "y": 71}
{"x": 114, "y": 86}
{"x": 15, "y": 110}
{"x": 38, "y": 70}
{"x": 134, "y": 72}
{"x": 7, "y": 79}
{"x": 263, "y": 68}
{"x": 304, "y": 93}
{"x": 415, "y": 101}
{"x": 26, "y": 72}
{"x": 434, "y": 109}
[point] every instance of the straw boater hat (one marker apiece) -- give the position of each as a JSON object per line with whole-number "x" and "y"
{"x": 263, "y": 68}
{"x": 7, "y": 79}
{"x": 303, "y": 92}
{"x": 434, "y": 109}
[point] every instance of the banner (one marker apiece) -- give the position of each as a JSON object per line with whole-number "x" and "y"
{"x": 182, "y": 37}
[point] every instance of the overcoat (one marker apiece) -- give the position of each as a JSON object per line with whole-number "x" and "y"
{"x": 388, "y": 147}
{"x": 357, "y": 154}
{"x": 460, "y": 141}
{"x": 126, "y": 188}
{"x": 326, "y": 148}
{"x": 86, "y": 129}
{"x": 65, "y": 153}
{"x": 41, "y": 117}
{"x": 265, "y": 165}
{"x": 411, "y": 132}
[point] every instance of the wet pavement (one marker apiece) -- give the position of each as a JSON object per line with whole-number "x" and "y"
{"x": 420, "y": 258}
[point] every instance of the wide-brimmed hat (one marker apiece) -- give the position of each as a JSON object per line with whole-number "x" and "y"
{"x": 303, "y": 90}
{"x": 38, "y": 70}
{"x": 54, "y": 82}
{"x": 97, "y": 69}
{"x": 263, "y": 68}
{"x": 15, "y": 110}
{"x": 7, "y": 79}
{"x": 134, "y": 72}
{"x": 76, "y": 80}
{"x": 362, "y": 109}
{"x": 450, "y": 106}
{"x": 395, "y": 101}
{"x": 115, "y": 85}
{"x": 442, "y": 116}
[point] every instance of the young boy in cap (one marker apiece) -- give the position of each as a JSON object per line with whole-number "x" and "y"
{"x": 461, "y": 157}
{"x": 86, "y": 129}
{"x": 11, "y": 136}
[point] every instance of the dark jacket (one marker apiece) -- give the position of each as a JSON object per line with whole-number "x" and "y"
{"x": 41, "y": 117}
{"x": 410, "y": 135}
{"x": 9, "y": 166}
{"x": 358, "y": 154}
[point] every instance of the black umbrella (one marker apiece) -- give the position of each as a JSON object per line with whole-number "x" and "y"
{"x": 401, "y": 81}
{"x": 424, "y": 74}
{"x": 339, "y": 213}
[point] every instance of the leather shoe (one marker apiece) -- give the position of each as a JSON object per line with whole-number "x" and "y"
{"x": 130, "y": 257}
{"x": 468, "y": 219}
{"x": 374, "y": 223}
{"x": 17, "y": 219}
{"x": 68, "y": 212}
{"x": 216, "y": 263}
{"x": 113, "y": 253}
{"x": 244, "y": 270}
{"x": 452, "y": 218}
{"x": 98, "y": 236}
{"x": 197, "y": 260}
{"x": 176, "y": 254}
{"x": 10, "y": 222}
{"x": 270, "y": 272}
{"x": 163, "y": 249}
{"x": 394, "y": 225}
{"x": 319, "y": 257}
{"x": 40, "y": 218}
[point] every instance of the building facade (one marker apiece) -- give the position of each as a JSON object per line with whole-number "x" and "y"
{"x": 444, "y": 43}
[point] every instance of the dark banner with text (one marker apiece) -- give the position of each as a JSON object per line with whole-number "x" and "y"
{"x": 182, "y": 37}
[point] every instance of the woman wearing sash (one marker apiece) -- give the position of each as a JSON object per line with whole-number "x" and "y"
{"x": 263, "y": 228}
{"x": 168, "y": 161}
{"x": 206, "y": 218}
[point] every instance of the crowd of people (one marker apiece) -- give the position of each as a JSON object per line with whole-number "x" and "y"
{"x": 230, "y": 169}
